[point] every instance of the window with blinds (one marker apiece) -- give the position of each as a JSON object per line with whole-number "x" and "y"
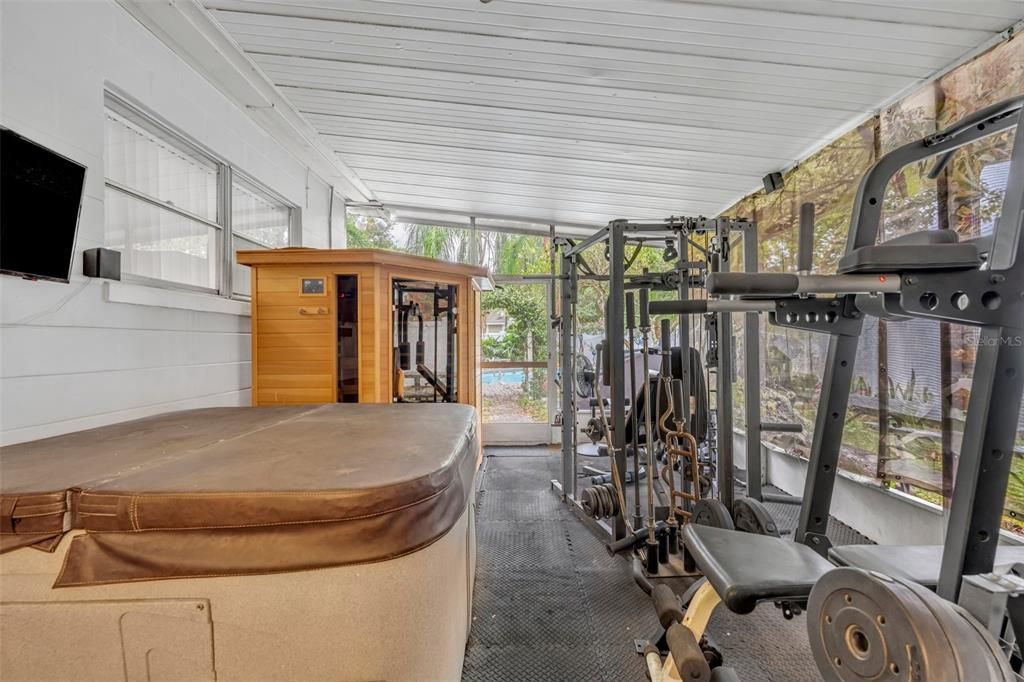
{"x": 174, "y": 210}
{"x": 258, "y": 221}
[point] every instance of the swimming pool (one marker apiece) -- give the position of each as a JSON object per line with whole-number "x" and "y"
{"x": 503, "y": 376}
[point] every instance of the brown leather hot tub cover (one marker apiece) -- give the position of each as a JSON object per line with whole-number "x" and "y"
{"x": 238, "y": 491}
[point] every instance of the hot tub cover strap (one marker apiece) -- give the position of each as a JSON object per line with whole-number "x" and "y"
{"x": 295, "y": 490}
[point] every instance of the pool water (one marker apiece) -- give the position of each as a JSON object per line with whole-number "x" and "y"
{"x": 503, "y": 376}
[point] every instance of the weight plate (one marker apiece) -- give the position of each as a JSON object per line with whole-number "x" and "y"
{"x": 711, "y": 512}
{"x": 753, "y": 517}
{"x": 994, "y": 660}
{"x": 588, "y": 501}
{"x": 867, "y": 626}
{"x": 600, "y": 501}
{"x": 980, "y": 656}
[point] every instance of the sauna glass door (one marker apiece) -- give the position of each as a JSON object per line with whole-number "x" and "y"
{"x": 425, "y": 326}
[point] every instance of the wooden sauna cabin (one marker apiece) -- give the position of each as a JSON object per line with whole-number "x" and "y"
{"x": 363, "y": 326}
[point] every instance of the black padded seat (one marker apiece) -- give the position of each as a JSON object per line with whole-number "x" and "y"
{"x": 917, "y": 563}
{"x": 925, "y": 250}
{"x": 746, "y": 569}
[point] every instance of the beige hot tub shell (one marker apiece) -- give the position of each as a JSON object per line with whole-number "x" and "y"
{"x": 242, "y": 544}
{"x": 402, "y": 619}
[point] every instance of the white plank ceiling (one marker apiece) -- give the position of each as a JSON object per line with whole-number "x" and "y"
{"x": 575, "y": 112}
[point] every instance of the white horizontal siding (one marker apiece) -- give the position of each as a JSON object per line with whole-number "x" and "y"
{"x": 755, "y": 35}
{"x": 32, "y": 351}
{"x": 731, "y": 88}
{"x": 437, "y": 119}
{"x": 70, "y": 358}
{"x": 41, "y": 401}
{"x": 594, "y": 195}
{"x": 632, "y": 67}
{"x": 610, "y": 178}
{"x": 951, "y": 14}
{"x": 538, "y": 153}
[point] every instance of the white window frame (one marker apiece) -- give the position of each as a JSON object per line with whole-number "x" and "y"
{"x": 294, "y": 214}
{"x": 116, "y": 101}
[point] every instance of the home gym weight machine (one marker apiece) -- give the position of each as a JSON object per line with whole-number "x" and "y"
{"x": 413, "y": 300}
{"x": 874, "y": 617}
{"x": 623, "y": 418}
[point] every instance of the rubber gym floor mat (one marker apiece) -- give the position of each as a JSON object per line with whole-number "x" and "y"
{"x": 551, "y": 604}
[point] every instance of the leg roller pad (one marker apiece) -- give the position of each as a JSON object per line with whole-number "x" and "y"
{"x": 687, "y": 655}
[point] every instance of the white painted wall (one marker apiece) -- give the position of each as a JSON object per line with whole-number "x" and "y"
{"x": 316, "y": 213}
{"x": 339, "y": 234}
{"x": 71, "y": 358}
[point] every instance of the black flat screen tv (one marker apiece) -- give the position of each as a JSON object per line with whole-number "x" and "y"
{"x": 40, "y": 201}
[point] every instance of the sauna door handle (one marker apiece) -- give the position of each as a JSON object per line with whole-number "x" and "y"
{"x": 312, "y": 311}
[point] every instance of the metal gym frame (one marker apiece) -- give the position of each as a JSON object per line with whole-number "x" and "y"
{"x": 990, "y": 297}
{"x": 617, "y": 235}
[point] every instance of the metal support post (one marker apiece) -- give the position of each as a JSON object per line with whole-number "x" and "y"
{"x": 726, "y": 487}
{"x": 615, "y": 328}
{"x": 752, "y": 376}
{"x": 725, "y": 435}
{"x": 684, "y": 335}
{"x": 554, "y": 309}
{"x": 987, "y": 450}
{"x": 567, "y": 294}
{"x": 634, "y": 426}
{"x": 827, "y": 441}
{"x": 986, "y": 455}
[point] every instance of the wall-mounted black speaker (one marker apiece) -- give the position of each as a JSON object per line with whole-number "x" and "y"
{"x": 773, "y": 182}
{"x": 99, "y": 262}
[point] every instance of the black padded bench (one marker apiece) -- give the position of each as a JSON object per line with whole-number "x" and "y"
{"x": 917, "y": 563}
{"x": 746, "y": 569}
{"x": 903, "y": 253}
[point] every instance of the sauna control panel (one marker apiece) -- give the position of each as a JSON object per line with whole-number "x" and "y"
{"x": 313, "y": 286}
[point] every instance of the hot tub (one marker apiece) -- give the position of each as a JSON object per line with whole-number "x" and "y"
{"x": 317, "y": 543}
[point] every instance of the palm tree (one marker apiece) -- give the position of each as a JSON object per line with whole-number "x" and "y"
{"x": 451, "y": 243}
{"x": 434, "y": 241}
{"x": 517, "y": 254}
